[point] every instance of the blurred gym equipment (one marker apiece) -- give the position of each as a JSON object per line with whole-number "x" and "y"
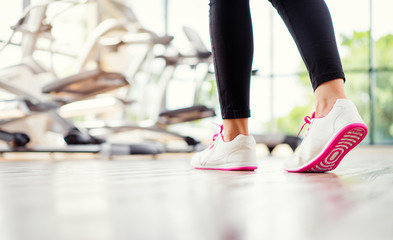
{"x": 38, "y": 91}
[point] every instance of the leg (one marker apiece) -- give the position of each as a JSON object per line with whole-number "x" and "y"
{"x": 336, "y": 128}
{"x": 310, "y": 25}
{"x": 232, "y": 44}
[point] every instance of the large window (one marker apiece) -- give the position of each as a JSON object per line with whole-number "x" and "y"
{"x": 281, "y": 69}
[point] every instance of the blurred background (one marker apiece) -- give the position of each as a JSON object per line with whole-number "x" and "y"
{"x": 281, "y": 94}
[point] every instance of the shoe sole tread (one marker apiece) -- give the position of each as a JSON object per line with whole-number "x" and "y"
{"x": 344, "y": 141}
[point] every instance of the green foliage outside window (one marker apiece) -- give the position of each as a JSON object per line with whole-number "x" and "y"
{"x": 356, "y": 65}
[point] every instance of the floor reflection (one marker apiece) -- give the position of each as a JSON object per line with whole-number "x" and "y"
{"x": 167, "y": 199}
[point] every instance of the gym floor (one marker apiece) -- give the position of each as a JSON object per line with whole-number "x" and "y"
{"x": 138, "y": 197}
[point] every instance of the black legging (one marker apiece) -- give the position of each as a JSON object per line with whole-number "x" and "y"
{"x": 310, "y": 25}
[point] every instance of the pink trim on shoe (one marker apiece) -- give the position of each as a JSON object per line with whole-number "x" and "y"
{"x": 307, "y": 120}
{"x": 217, "y": 135}
{"x": 344, "y": 141}
{"x": 249, "y": 168}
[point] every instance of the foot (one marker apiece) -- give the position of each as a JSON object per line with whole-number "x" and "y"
{"x": 236, "y": 155}
{"x": 328, "y": 139}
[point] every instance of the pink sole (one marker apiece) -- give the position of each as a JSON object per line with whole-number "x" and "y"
{"x": 230, "y": 169}
{"x": 348, "y": 138}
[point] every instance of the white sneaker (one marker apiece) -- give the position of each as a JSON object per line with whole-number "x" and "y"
{"x": 236, "y": 155}
{"x": 328, "y": 139}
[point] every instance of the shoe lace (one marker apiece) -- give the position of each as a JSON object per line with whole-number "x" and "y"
{"x": 215, "y": 136}
{"x": 307, "y": 120}
{"x": 218, "y": 134}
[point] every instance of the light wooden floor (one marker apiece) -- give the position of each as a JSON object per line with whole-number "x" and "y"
{"x": 142, "y": 198}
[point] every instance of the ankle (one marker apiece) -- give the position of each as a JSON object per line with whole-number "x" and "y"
{"x": 229, "y": 136}
{"x": 234, "y": 127}
{"x": 326, "y": 95}
{"x": 323, "y": 107}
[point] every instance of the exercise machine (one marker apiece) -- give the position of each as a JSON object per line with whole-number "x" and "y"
{"x": 35, "y": 97}
{"x": 162, "y": 117}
